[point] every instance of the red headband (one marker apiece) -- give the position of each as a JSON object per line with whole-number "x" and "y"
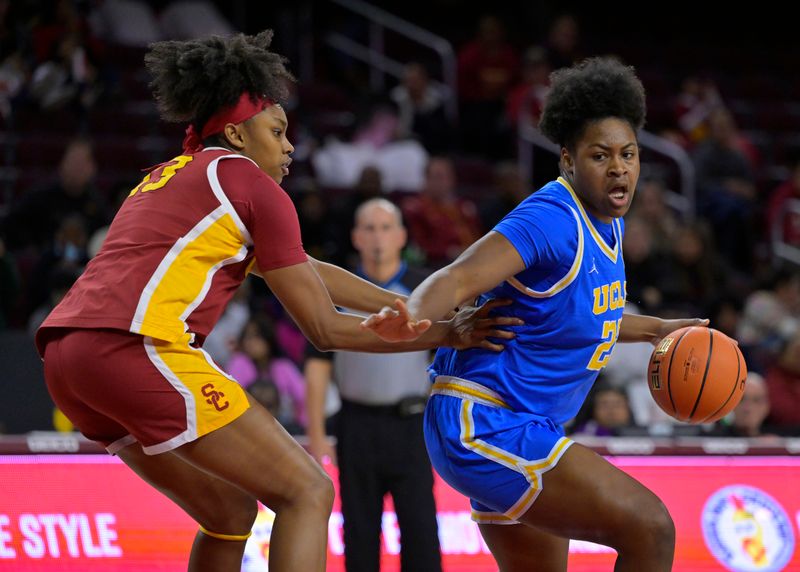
{"x": 243, "y": 110}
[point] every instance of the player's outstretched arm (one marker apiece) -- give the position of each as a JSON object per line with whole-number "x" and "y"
{"x": 470, "y": 326}
{"x": 484, "y": 265}
{"x": 350, "y": 291}
{"x": 304, "y": 296}
{"x": 637, "y": 328}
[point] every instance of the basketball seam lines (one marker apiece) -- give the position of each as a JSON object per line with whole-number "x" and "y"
{"x": 669, "y": 372}
{"x": 705, "y": 373}
{"x": 735, "y": 385}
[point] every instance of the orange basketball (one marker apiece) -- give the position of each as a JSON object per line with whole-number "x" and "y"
{"x": 697, "y": 374}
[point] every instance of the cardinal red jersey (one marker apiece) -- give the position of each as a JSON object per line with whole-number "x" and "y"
{"x": 181, "y": 244}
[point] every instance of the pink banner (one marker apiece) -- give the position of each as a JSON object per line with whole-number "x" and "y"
{"x": 89, "y": 512}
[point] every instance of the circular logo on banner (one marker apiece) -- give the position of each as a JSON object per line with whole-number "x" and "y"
{"x": 747, "y": 530}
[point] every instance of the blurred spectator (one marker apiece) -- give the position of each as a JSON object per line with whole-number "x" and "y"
{"x": 644, "y": 268}
{"x": 651, "y": 207}
{"x": 694, "y": 103}
{"x": 747, "y": 419}
{"x": 788, "y": 223}
{"x": 693, "y": 277}
{"x": 320, "y": 225}
{"x": 726, "y": 314}
{"x": 726, "y": 189}
{"x": 68, "y": 58}
{"x": 290, "y": 339}
{"x": 266, "y": 393}
{"x": 36, "y": 217}
{"x": 607, "y": 412}
{"x": 136, "y": 23}
{"x": 563, "y": 42}
{"x": 783, "y": 383}
{"x": 205, "y": 20}
{"x": 488, "y": 67}
{"x": 380, "y": 128}
{"x": 59, "y": 280}
{"x": 771, "y": 315}
{"x": 526, "y": 100}
{"x": 98, "y": 237}
{"x": 14, "y": 65}
{"x": 441, "y": 223}
{"x": 510, "y": 189}
{"x": 339, "y": 164}
{"x": 258, "y": 359}
{"x": 126, "y": 22}
{"x": 369, "y": 186}
{"x": 221, "y": 341}
{"x": 421, "y": 108}
{"x": 66, "y": 253}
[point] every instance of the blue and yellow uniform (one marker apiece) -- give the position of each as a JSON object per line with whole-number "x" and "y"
{"x": 494, "y": 422}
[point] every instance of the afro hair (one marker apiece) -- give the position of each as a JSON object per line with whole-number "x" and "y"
{"x": 192, "y": 80}
{"x": 594, "y": 89}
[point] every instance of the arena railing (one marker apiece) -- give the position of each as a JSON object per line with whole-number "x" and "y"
{"x": 374, "y": 54}
{"x": 782, "y": 250}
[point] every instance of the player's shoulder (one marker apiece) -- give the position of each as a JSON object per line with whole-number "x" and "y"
{"x": 551, "y": 202}
{"x": 239, "y": 174}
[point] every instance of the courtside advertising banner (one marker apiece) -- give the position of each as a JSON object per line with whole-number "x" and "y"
{"x": 81, "y": 513}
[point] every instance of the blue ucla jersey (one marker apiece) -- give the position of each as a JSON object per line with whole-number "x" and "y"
{"x": 571, "y": 296}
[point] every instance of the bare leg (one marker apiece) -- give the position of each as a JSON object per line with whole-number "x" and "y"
{"x": 217, "y": 478}
{"x": 218, "y": 506}
{"x": 520, "y": 548}
{"x": 256, "y": 454}
{"x": 587, "y": 498}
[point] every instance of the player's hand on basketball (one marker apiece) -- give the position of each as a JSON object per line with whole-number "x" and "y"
{"x": 472, "y": 326}
{"x": 396, "y": 324}
{"x": 669, "y": 326}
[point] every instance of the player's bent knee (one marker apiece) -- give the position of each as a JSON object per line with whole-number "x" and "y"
{"x": 663, "y": 528}
{"x": 318, "y": 493}
{"x": 234, "y": 517}
{"x": 314, "y": 493}
{"x": 656, "y": 529}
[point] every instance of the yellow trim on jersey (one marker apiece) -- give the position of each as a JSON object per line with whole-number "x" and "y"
{"x": 472, "y": 391}
{"x": 532, "y": 470}
{"x": 610, "y": 252}
{"x": 561, "y": 446}
{"x": 213, "y": 398}
{"x": 482, "y": 517}
{"x": 566, "y": 280}
{"x": 481, "y": 447}
{"x": 525, "y": 501}
{"x": 182, "y": 279}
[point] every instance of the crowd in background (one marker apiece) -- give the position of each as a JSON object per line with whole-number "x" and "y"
{"x": 66, "y": 65}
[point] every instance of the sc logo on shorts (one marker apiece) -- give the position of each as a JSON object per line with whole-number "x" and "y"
{"x": 747, "y": 530}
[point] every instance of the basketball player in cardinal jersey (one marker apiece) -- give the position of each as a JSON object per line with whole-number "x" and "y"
{"x": 494, "y": 424}
{"x": 122, "y": 351}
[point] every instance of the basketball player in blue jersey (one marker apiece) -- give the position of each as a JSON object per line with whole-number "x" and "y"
{"x": 494, "y": 423}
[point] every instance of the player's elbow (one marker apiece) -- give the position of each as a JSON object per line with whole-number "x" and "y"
{"x": 320, "y": 336}
{"x": 322, "y": 342}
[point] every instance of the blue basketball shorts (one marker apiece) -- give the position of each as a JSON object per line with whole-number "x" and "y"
{"x": 489, "y": 453}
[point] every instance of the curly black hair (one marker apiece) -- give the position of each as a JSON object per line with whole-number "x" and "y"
{"x": 193, "y": 79}
{"x": 591, "y": 90}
